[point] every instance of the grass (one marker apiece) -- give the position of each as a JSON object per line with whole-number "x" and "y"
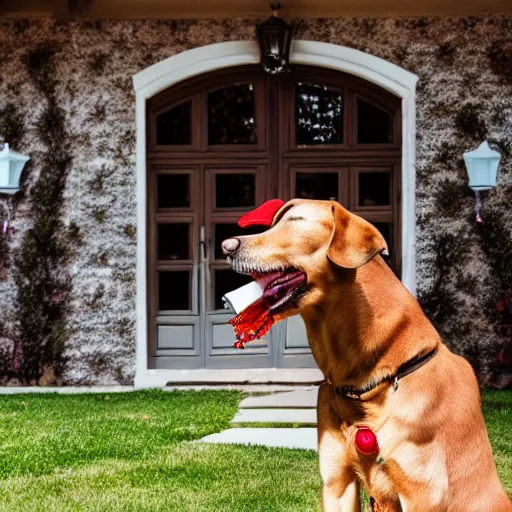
{"x": 125, "y": 452}
{"x": 497, "y": 408}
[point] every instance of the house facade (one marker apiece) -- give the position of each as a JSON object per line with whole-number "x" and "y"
{"x": 148, "y": 139}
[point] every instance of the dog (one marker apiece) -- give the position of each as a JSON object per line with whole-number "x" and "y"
{"x": 387, "y": 371}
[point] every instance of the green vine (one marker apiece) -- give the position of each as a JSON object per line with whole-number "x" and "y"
{"x": 41, "y": 278}
{"x": 497, "y": 246}
{"x": 439, "y": 302}
{"x": 469, "y": 122}
{"x": 500, "y": 57}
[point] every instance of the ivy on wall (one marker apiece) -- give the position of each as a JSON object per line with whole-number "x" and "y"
{"x": 500, "y": 56}
{"x": 40, "y": 263}
{"x": 497, "y": 247}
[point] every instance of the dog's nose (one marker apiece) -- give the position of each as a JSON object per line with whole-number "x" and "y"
{"x": 230, "y": 245}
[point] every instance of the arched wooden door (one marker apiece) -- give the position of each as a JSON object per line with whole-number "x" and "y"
{"x": 221, "y": 144}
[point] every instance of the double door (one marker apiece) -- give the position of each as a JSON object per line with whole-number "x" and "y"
{"x": 197, "y": 207}
{"x": 218, "y": 146}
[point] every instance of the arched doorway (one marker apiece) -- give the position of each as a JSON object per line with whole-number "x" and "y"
{"x": 220, "y": 144}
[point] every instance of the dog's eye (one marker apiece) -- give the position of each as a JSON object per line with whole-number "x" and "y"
{"x": 295, "y": 218}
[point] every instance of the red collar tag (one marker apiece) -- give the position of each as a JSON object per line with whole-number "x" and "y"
{"x": 263, "y": 215}
{"x": 366, "y": 441}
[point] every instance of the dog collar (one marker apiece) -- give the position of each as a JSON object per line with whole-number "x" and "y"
{"x": 353, "y": 393}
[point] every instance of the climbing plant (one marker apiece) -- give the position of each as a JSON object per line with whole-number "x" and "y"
{"x": 40, "y": 263}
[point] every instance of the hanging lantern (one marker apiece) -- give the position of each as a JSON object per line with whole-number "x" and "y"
{"x": 274, "y": 38}
{"x": 482, "y": 166}
{"x": 11, "y": 166}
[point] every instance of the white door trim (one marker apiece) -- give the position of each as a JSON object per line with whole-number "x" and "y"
{"x": 201, "y": 60}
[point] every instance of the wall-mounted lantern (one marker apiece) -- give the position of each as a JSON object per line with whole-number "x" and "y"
{"x": 482, "y": 166}
{"x": 11, "y": 166}
{"x": 274, "y": 38}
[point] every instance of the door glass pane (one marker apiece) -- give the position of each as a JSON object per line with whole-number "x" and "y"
{"x": 173, "y": 190}
{"x": 318, "y": 115}
{"x": 227, "y": 280}
{"x": 223, "y": 231}
{"x": 235, "y": 190}
{"x": 317, "y": 185}
{"x": 174, "y": 241}
{"x": 374, "y": 189}
{"x": 231, "y": 115}
{"x": 374, "y": 125}
{"x": 174, "y": 290}
{"x": 173, "y": 127}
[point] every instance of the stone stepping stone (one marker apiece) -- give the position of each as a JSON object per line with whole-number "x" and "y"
{"x": 275, "y": 416}
{"x": 294, "y": 399}
{"x": 302, "y": 438}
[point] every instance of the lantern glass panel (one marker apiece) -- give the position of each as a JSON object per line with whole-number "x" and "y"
{"x": 4, "y": 173}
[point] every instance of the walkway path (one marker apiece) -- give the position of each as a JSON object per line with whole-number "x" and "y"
{"x": 296, "y": 407}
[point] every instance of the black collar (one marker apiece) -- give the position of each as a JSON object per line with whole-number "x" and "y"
{"x": 408, "y": 367}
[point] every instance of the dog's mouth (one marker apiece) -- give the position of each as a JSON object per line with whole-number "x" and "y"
{"x": 282, "y": 287}
{"x": 282, "y": 290}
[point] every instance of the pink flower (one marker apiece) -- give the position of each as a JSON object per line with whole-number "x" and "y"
{"x": 57, "y": 297}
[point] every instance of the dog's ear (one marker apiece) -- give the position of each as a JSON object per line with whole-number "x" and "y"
{"x": 354, "y": 241}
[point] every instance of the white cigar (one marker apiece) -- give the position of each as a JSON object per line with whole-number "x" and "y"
{"x": 242, "y": 297}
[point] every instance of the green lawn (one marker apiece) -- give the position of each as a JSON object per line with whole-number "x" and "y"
{"x": 125, "y": 452}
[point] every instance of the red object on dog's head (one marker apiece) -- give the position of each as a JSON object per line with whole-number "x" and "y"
{"x": 263, "y": 215}
{"x": 366, "y": 441}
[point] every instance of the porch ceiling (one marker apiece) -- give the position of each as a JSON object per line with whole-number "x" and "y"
{"x": 201, "y": 9}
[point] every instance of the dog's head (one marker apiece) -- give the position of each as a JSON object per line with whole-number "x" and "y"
{"x": 294, "y": 261}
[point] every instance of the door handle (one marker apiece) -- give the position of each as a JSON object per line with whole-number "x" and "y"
{"x": 204, "y": 270}
{"x": 202, "y": 245}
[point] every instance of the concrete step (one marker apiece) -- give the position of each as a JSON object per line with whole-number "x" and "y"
{"x": 293, "y": 400}
{"x": 275, "y": 416}
{"x": 302, "y": 438}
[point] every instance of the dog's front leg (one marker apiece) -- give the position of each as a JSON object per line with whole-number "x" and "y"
{"x": 340, "y": 491}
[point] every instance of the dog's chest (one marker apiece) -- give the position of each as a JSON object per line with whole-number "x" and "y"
{"x": 404, "y": 467}
{"x": 400, "y": 464}
{"x": 377, "y": 483}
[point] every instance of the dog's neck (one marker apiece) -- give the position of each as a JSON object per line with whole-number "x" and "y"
{"x": 368, "y": 324}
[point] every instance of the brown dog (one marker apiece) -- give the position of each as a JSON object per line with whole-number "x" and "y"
{"x": 385, "y": 366}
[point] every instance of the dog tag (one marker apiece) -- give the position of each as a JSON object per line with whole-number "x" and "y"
{"x": 366, "y": 441}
